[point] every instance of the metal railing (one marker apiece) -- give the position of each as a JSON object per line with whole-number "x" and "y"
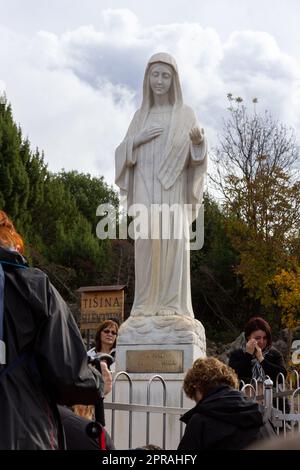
{"x": 156, "y": 377}
{"x": 281, "y": 403}
{"x": 146, "y": 408}
{"x": 130, "y": 405}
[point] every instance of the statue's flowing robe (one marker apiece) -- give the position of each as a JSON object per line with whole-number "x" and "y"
{"x": 154, "y": 174}
{"x": 167, "y": 170}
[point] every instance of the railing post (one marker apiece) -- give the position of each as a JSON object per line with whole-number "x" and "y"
{"x": 130, "y": 402}
{"x": 156, "y": 377}
{"x": 268, "y": 397}
{"x": 293, "y": 422}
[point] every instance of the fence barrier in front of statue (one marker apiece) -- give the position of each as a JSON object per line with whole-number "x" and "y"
{"x": 280, "y": 401}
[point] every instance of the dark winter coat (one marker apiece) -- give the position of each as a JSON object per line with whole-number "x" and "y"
{"x": 272, "y": 364}
{"x": 223, "y": 419}
{"x": 40, "y": 330}
{"x": 75, "y": 428}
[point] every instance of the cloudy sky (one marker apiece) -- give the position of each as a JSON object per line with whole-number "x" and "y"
{"x": 73, "y": 69}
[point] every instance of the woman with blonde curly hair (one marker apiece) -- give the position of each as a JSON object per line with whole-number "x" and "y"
{"x": 223, "y": 417}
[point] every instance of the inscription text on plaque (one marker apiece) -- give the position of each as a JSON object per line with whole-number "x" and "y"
{"x": 155, "y": 360}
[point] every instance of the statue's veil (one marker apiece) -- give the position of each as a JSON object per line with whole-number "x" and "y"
{"x": 175, "y": 90}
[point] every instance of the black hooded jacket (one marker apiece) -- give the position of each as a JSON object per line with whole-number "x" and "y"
{"x": 46, "y": 357}
{"x": 223, "y": 419}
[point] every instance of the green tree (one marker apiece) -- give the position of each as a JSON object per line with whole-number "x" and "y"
{"x": 215, "y": 287}
{"x": 255, "y": 173}
{"x": 88, "y": 192}
{"x": 56, "y": 213}
{"x": 37, "y": 174}
{"x": 14, "y": 182}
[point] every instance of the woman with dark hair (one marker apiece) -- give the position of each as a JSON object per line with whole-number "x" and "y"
{"x": 104, "y": 350}
{"x": 258, "y": 358}
{"x": 105, "y": 339}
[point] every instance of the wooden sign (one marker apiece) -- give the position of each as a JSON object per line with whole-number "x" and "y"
{"x": 100, "y": 303}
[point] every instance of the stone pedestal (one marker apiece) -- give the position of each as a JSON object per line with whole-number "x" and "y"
{"x": 159, "y": 345}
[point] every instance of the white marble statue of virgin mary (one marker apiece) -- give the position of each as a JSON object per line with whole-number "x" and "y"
{"x": 162, "y": 160}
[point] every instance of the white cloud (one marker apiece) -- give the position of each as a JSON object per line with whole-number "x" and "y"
{"x": 2, "y": 87}
{"x": 75, "y": 93}
{"x": 120, "y": 22}
{"x": 254, "y": 66}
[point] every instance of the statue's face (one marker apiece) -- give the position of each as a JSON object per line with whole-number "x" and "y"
{"x": 161, "y": 76}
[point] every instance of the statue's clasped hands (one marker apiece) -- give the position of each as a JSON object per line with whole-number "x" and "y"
{"x": 196, "y": 135}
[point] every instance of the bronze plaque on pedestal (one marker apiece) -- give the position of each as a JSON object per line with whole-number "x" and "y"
{"x": 154, "y": 361}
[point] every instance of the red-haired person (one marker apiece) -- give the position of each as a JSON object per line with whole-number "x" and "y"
{"x": 258, "y": 358}
{"x": 43, "y": 360}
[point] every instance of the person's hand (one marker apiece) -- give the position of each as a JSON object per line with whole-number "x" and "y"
{"x": 258, "y": 353}
{"x": 146, "y": 135}
{"x": 107, "y": 377}
{"x": 196, "y": 135}
{"x": 251, "y": 346}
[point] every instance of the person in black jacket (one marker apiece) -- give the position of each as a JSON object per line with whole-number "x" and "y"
{"x": 258, "y": 358}
{"x": 77, "y": 435}
{"x": 223, "y": 418}
{"x": 43, "y": 360}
